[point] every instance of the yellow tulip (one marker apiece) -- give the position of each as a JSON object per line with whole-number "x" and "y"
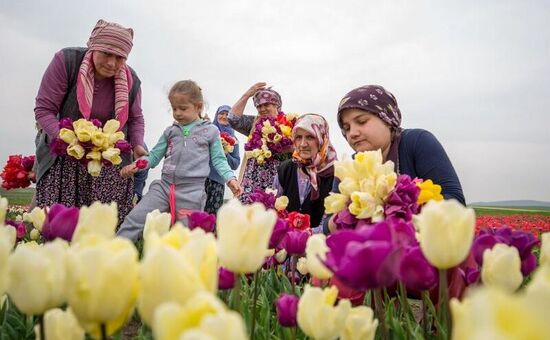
{"x": 68, "y": 136}
{"x": 502, "y": 267}
{"x": 83, "y": 124}
{"x": 94, "y": 168}
{"x": 84, "y": 134}
{"x": 99, "y": 139}
{"x": 3, "y": 209}
{"x": 267, "y": 154}
{"x": 301, "y": 266}
{"x": 286, "y": 130}
{"x": 243, "y": 235}
{"x": 545, "y": 249}
{"x": 98, "y": 219}
{"x": 111, "y": 126}
{"x": 176, "y": 271}
{"x": 538, "y": 289}
{"x": 489, "y": 313}
{"x": 220, "y": 326}
{"x": 429, "y": 191}
{"x": 318, "y": 304}
{"x": 281, "y": 255}
{"x": 115, "y": 137}
{"x": 281, "y": 203}
{"x": 111, "y": 154}
{"x": 156, "y": 222}
{"x": 316, "y": 250}
{"x": 37, "y": 216}
{"x": 335, "y": 203}
{"x": 364, "y": 205}
{"x": 37, "y": 279}
{"x": 360, "y": 324}
{"x": 348, "y": 186}
{"x": 446, "y": 232}
{"x": 76, "y": 150}
{"x": 60, "y": 324}
{"x": 94, "y": 155}
{"x": 277, "y": 138}
{"x": 34, "y": 234}
{"x": 102, "y": 282}
{"x": 171, "y": 319}
{"x": 7, "y": 240}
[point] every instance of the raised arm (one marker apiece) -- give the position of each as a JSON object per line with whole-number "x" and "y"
{"x": 238, "y": 107}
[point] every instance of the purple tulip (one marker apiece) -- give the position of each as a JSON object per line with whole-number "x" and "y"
{"x": 267, "y": 199}
{"x": 203, "y": 220}
{"x": 472, "y": 275}
{"x": 345, "y": 220}
{"x": 97, "y": 122}
{"x": 123, "y": 146}
{"x": 524, "y": 242}
{"x": 66, "y": 123}
{"x": 287, "y": 308}
{"x": 482, "y": 243}
{"x": 279, "y": 231}
{"x": 360, "y": 262}
{"x": 28, "y": 163}
{"x": 402, "y": 201}
{"x": 60, "y": 222}
{"x": 528, "y": 264}
{"x": 416, "y": 272}
{"x": 58, "y": 147}
{"x": 226, "y": 279}
{"x": 295, "y": 241}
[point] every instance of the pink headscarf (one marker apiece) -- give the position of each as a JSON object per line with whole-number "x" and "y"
{"x": 322, "y": 163}
{"x": 112, "y": 38}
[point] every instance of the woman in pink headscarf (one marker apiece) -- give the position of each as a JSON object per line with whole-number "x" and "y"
{"x": 268, "y": 103}
{"x": 306, "y": 179}
{"x": 96, "y": 84}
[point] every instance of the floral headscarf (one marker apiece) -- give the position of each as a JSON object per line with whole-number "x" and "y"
{"x": 322, "y": 163}
{"x": 268, "y": 96}
{"x": 108, "y": 37}
{"x": 374, "y": 99}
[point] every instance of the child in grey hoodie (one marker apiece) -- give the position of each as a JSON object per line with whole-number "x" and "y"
{"x": 188, "y": 145}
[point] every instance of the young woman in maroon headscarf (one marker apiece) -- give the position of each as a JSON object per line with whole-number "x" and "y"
{"x": 306, "y": 179}
{"x": 90, "y": 83}
{"x": 255, "y": 176}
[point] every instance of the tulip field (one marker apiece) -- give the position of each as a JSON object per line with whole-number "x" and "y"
{"x": 402, "y": 264}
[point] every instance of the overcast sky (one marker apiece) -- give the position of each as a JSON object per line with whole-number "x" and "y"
{"x": 475, "y": 73}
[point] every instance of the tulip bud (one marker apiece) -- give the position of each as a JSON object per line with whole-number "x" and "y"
{"x": 360, "y": 324}
{"x": 502, "y": 267}
{"x": 59, "y": 324}
{"x": 446, "y": 232}
{"x": 287, "y": 307}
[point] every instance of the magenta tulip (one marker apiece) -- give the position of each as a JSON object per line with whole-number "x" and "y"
{"x": 226, "y": 279}
{"x": 60, "y": 222}
{"x": 287, "y": 308}
{"x": 203, "y": 220}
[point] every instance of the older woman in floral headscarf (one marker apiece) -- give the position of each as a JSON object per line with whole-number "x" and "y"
{"x": 258, "y": 175}
{"x": 96, "y": 84}
{"x": 306, "y": 179}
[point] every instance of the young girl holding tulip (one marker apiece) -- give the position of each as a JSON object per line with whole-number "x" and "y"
{"x": 188, "y": 146}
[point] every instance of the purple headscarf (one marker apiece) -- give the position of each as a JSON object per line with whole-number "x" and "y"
{"x": 268, "y": 96}
{"x": 374, "y": 99}
{"x": 223, "y": 128}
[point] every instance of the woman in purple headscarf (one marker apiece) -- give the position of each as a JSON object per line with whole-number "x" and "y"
{"x": 96, "y": 84}
{"x": 256, "y": 176}
{"x": 215, "y": 184}
{"x": 370, "y": 120}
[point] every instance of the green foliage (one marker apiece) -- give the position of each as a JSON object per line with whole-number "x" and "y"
{"x": 14, "y": 325}
{"x": 18, "y": 196}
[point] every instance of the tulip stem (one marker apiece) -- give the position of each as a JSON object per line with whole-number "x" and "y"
{"x": 237, "y": 295}
{"x": 444, "y": 312}
{"x": 293, "y": 262}
{"x": 379, "y": 307}
{"x": 256, "y": 282}
{"x": 425, "y": 299}
{"x": 41, "y": 327}
{"x": 103, "y": 331}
